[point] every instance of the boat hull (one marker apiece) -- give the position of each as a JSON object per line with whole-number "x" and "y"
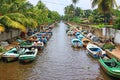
{"x": 77, "y": 43}
{"x": 95, "y": 51}
{"x": 9, "y": 59}
{"x": 26, "y": 60}
{"x": 108, "y": 70}
{"x": 28, "y": 56}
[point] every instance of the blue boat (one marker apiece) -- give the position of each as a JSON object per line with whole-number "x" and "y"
{"x": 95, "y": 51}
{"x": 76, "y": 43}
{"x": 77, "y": 33}
{"x": 80, "y": 36}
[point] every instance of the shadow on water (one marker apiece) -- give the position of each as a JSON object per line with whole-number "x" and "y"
{"x": 58, "y": 61}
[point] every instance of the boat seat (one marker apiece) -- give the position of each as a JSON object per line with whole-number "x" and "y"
{"x": 14, "y": 51}
{"x": 110, "y": 64}
{"x": 30, "y": 52}
{"x": 113, "y": 64}
{"x": 117, "y": 66}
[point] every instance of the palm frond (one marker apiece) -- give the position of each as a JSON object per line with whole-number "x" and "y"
{"x": 18, "y": 17}
{"x": 12, "y": 24}
{"x": 2, "y": 28}
{"x": 33, "y": 23}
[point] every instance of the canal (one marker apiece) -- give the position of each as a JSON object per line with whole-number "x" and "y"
{"x": 58, "y": 61}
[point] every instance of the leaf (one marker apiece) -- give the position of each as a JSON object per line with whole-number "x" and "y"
{"x": 12, "y": 24}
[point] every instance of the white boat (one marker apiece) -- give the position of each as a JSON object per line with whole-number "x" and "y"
{"x": 95, "y": 51}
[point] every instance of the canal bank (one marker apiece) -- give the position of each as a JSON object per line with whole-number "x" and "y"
{"x": 58, "y": 61}
{"x": 99, "y": 32}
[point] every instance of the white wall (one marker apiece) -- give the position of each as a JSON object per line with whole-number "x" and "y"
{"x": 117, "y": 37}
{"x": 113, "y": 33}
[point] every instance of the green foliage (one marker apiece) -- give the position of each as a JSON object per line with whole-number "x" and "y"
{"x": 21, "y": 14}
{"x": 2, "y": 49}
{"x": 108, "y": 46}
{"x": 117, "y": 24}
{"x": 98, "y": 26}
{"x": 76, "y": 20}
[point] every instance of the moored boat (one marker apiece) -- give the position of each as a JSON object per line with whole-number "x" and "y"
{"x": 12, "y": 54}
{"x": 26, "y": 44}
{"x": 85, "y": 41}
{"x": 80, "y": 36}
{"x": 110, "y": 66}
{"x": 1, "y": 53}
{"x": 95, "y": 51}
{"x": 76, "y": 43}
{"x": 39, "y": 45}
{"x": 29, "y": 55}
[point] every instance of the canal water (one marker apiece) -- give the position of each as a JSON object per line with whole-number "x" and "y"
{"x": 58, "y": 61}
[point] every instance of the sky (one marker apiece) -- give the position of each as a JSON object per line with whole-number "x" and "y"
{"x": 59, "y": 5}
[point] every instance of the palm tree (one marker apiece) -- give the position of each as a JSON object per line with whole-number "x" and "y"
{"x": 74, "y": 2}
{"x": 10, "y": 23}
{"x": 69, "y": 11}
{"x": 105, "y": 7}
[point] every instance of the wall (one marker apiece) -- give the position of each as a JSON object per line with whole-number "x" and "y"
{"x": 117, "y": 37}
{"x": 9, "y": 35}
{"x": 109, "y": 32}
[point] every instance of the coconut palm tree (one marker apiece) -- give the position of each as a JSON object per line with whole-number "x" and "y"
{"x": 10, "y": 23}
{"x": 105, "y": 7}
{"x": 69, "y": 11}
{"x": 75, "y": 2}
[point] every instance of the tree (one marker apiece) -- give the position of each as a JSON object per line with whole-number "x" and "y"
{"x": 78, "y": 12}
{"x": 74, "y": 2}
{"x": 69, "y": 11}
{"x": 105, "y": 7}
{"x": 20, "y": 14}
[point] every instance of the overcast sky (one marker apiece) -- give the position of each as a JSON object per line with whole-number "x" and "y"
{"x": 58, "y": 5}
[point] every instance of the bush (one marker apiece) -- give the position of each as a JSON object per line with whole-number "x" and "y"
{"x": 2, "y": 49}
{"x": 117, "y": 24}
{"x": 108, "y": 46}
{"x": 76, "y": 20}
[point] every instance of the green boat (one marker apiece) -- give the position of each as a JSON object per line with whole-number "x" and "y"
{"x": 29, "y": 55}
{"x": 110, "y": 66}
{"x": 26, "y": 44}
{"x": 12, "y": 54}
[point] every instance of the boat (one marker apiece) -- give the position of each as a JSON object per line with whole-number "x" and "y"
{"x": 26, "y": 44}
{"x": 85, "y": 41}
{"x": 2, "y": 50}
{"x": 29, "y": 55}
{"x": 77, "y": 33}
{"x": 95, "y": 38}
{"x": 95, "y": 51}
{"x": 1, "y": 53}
{"x": 80, "y": 36}
{"x": 12, "y": 54}
{"x": 38, "y": 44}
{"x": 70, "y": 33}
{"x": 111, "y": 66}
{"x": 76, "y": 43}
{"x": 84, "y": 32}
